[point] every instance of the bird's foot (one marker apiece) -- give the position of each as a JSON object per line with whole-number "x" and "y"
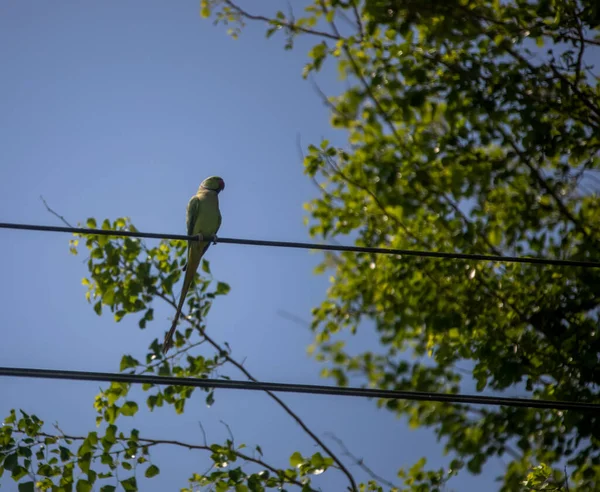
{"x": 215, "y": 239}
{"x": 200, "y": 237}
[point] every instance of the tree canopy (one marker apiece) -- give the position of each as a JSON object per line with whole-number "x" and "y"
{"x": 472, "y": 127}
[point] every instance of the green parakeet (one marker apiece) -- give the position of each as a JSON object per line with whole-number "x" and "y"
{"x": 203, "y": 217}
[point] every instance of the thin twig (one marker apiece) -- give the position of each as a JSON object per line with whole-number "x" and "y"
{"x": 292, "y": 317}
{"x": 203, "y": 433}
{"x": 360, "y": 462}
{"x": 291, "y": 26}
{"x": 228, "y": 430}
{"x": 160, "y": 361}
{"x": 359, "y": 23}
{"x": 64, "y": 221}
{"x": 581, "y": 47}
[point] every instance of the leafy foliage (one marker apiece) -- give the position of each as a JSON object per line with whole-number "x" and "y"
{"x": 472, "y": 127}
{"x": 125, "y": 278}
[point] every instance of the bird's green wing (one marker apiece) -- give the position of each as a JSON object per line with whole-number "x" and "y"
{"x": 194, "y": 219}
{"x": 193, "y": 212}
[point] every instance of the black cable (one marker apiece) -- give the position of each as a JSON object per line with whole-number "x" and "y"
{"x": 325, "y": 247}
{"x": 296, "y": 388}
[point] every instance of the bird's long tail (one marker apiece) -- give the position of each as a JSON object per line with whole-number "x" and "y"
{"x": 192, "y": 265}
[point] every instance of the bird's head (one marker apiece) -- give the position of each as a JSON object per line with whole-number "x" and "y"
{"x": 214, "y": 183}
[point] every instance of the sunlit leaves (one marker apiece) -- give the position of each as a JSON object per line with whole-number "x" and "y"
{"x": 463, "y": 137}
{"x": 94, "y": 461}
{"x": 125, "y": 276}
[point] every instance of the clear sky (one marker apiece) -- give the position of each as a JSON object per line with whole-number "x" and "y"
{"x": 112, "y": 109}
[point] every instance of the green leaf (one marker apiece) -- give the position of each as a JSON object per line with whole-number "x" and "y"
{"x": 83, "y": 486}
{"x": 127, "y": 362}
{"x": 18, "y": 472}
{"x": 129, "y": 408}
{"x": 296, "y": 459}
{"x": 11, "y": 461}
{"x": 98, "y": 308}
{"x": 205, "y": 8}
{"x": 26, "y": 487}
{"x": 65, "y": 453}
{"x": 129, "y": 485}
{"x": 317, "y": 460}
{"x": 152, "y": 471}
{"x": 222, "y": 288}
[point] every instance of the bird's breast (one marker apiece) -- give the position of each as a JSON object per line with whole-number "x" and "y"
{"x": 209, "y": 217}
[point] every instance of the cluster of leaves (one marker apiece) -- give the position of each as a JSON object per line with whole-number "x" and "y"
{"x": 49, "y": 462}
{"x": 43, "y": 461}
{"x": 126, "y": 277}
{"x": 472, "y": 127}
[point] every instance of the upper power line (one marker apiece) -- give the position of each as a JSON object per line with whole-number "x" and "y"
{"x": 298, "y": 388}
{"x": 323, "y": 247}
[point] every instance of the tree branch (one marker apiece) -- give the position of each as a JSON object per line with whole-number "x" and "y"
{"x": 278, "y": 400}
{"x": 544, "y": 185}
{"x": 289, "y": 25}
{"x": 360, "y": 462}
{"x": 155, "y": 442}
{"x": 285, "y": 407}
{"x": 517, "y": 56}
{"x": 63, "y": 220}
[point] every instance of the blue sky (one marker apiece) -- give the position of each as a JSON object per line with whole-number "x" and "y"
{"x": 116, "y": 109}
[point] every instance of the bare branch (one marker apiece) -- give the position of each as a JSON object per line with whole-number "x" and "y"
{"x": 582, "y": 97}
{"x": 293, "y": 318}
{"x": 64, "y": 221}
{"x": 359, "y": 23}
{"x": 228, "y": 430}
{"x": 581, "y": 48}
{"x": 584, "y": 40}
{"x": 286, "y": 408}
{"x": 360, "y": 462}
{"x": 289, "y": 25}
{"x": 203, "y": 433}
{"x": 171, "y": 357}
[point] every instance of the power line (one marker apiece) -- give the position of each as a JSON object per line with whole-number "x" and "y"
{"x": 300, "y": 245}
{"x": 297, "y": 388}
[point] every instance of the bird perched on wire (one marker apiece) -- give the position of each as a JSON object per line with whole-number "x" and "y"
{"x": 203, "y": 219}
